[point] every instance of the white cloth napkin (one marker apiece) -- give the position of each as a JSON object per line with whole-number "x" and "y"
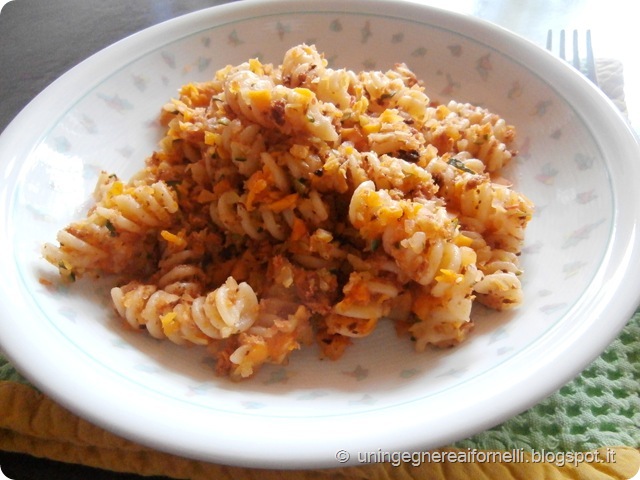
{"x": 611, "y": 80}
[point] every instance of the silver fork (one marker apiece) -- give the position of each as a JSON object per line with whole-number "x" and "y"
{"x": 590, "y": 65}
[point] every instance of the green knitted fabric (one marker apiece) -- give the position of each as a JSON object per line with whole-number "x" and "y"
{"x": 8, "y": 373}
{"x": 599, "y": 408}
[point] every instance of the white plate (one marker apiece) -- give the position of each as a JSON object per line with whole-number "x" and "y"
{"x": 578, "y": 162}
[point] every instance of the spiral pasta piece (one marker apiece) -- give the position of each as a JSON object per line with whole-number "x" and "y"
{"x": 417, "y": 234}
{"x": 230, "y": 309}
{"x": 290, "y": 111}
{"x": 117, "y": 234}
{"x": 422, "y": 240}
{"x": 492, "y": 209}
{"x": 276, "y": 219}
{"x": 180, "y": 272}
{"x": 269, "y": 203}
{"x": 366, "y": 300}
{"x": 303, "y": 66}
{"x": 500, "y": 287}
{"x": 134, "y": 208}
{"x": 443, "y": 322}
{"x": 499, "y": 290}
{"x": 396, "y": 89}
{"x": 282, "y": 328}
{"x": 461, "y": 127}
{"x": 443, "y": 308}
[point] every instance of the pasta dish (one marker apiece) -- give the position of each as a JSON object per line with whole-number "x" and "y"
{"x": 296, "y": 203}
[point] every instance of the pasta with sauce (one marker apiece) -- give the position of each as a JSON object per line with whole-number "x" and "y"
{"x": 294, "y": 203}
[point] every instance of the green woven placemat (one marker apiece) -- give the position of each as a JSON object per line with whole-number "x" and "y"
{"x": 8, "y": 373}
{"x": 598, "y": 408}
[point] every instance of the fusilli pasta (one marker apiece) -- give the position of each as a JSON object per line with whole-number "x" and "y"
{"x": 297, "y": 201}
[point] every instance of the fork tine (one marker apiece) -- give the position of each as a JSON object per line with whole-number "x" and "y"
{"x": 591, "y": 63}
{"x": 562, "y": 39}
{"x": 576, "y": 52}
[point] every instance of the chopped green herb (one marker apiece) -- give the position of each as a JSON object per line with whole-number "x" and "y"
{"x": 64, "y": 270}
{"x": 455, "y": 162}
{"x": 300, "y": 185}
{"x": 375, "y": 243}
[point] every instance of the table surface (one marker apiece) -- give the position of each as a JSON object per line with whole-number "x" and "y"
{"x": 42, "y": 39}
